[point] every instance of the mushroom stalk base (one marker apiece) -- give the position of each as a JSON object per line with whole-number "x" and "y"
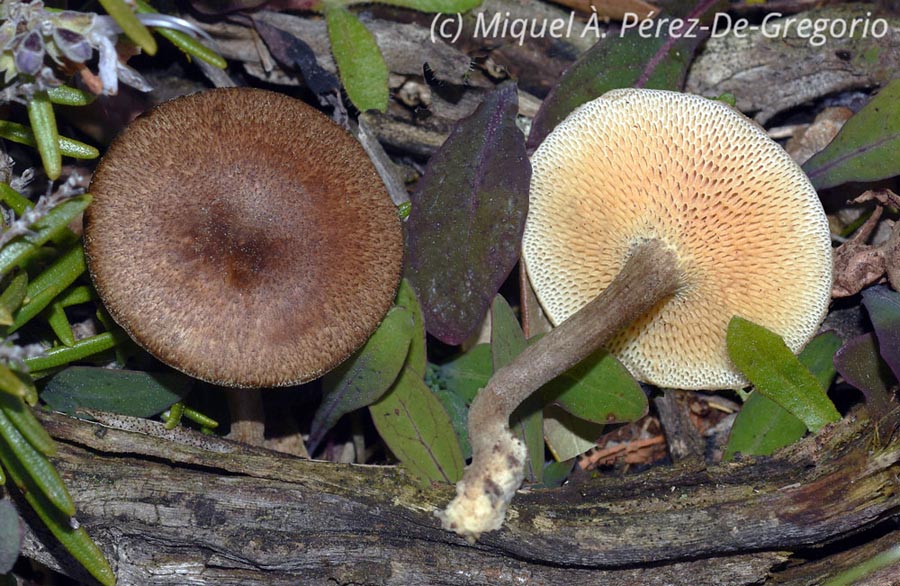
{"x": 650, "y": 275}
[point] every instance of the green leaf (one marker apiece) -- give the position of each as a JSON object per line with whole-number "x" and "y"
{"x": 75, "y": 541}
{"x": 359, "y": 61}
{"x": 40, "y": 472}
{"x": 62, "y": 355}
{"x": 11, "y": 535}
{"x": 427, "y": 5}
{"x": 458, "y": 410}
{"x": 866, "y": 149}
{"x": 764, "y": 358}
{"x": 468, "y": 215}
{"x": 183, "y": 41}
{"x": 762, "y": 426}
{"x": 66, "y": 146}
{"x": 69, "y": 96}
{"x": 621, "y": 60}
{"x": 27, "y": 424}
{"x": 818, "y": 357}
{"x": 12, "y": 198}
{"x": 128, "y": 392}
{"x": 12, "y": 297}
{"x": 417, "y": 358}
{"x": 468, "y": 373}
{"x": 556, "y": 473}
{"x": 413, "y": 424}
{"x": 507, "y": 342}
{"x": 46, "y": 134}
{"x": 126, "y": 18}
{"x": 598, "y": 389}
{"x": 366, "y": 376}
{"x": 50, "y": 283}
{"x": 569, "y": 436}
{"x": 50, "y": 226}
{"x": 15, "y": 385}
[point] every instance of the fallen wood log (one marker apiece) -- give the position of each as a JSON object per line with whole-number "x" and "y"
{"x": 202, "y": 510}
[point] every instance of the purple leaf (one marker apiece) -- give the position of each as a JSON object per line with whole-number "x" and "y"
{"x": 883, "y": 306}
{"x": 861, "y": 366}
{"x": 292, "y": 52}
{"x": 627, "y": 59}
{"x": 468, "y": 214}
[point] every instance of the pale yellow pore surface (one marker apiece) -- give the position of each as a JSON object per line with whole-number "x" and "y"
{"x": 741, "y": 215}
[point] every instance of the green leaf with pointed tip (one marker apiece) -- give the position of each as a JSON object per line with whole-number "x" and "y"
{"x": 67, "y": 146}
{"x": 184, "y": 41}
{"x": 468, "y": 373}
{"x": 51, "y": 282}
{"x": 128, "y": 21}
{"x": 461, "y": 379}
{"x": 527, "y": 421}
{"x": 69, "y": 96}
{"x": 46, "y": 134}
{"x": 416, "y": 428}
{"x": 866, "y": 149}
{"x": 359, "y": 61}
{"x": 417, "y": 358}
{"x": 75, "y": 540}
{"x": 762, "y": 425}
{"x": 12, "y": 297}
{"x": 569, "y": 436}
{"x": 598, "y": 389}
{"x": 556, "y": 473}
{"x": 767, "y": 362}
{"x": 625, "y": 59}
{"x": 11, "y": 535}
{"x": 128, "y": 392}
{"x": 458, "y": 411}
{"x": 54, "y": 223}
{"x": 366, "y": 376}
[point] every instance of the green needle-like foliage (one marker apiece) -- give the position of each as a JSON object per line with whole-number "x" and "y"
{"x": 185, "y": 42}
{"x": 29, "y": 136}
{"x": 43, "y": 124}
{"x": 126, "y": 18}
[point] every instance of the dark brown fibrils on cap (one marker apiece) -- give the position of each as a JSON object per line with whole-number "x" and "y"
{"x": 243, "y": 238}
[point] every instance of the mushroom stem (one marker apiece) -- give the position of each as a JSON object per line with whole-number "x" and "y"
{"x": 248, "y": 419}
{"x": 650, "y": 275}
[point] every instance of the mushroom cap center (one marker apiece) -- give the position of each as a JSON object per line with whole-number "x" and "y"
{"x": 243, "y": 238}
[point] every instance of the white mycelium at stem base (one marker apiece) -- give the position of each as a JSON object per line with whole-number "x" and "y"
{"x": 655, "y": 217}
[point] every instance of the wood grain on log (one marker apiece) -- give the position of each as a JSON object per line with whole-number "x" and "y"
{"x": 214, "y": 512}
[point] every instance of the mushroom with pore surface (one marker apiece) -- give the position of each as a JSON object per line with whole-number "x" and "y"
{"x": 654, "y": 218}
{"x": 242, "y": 237}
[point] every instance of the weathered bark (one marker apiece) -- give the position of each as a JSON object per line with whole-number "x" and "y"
{"x": 206, "y": 511}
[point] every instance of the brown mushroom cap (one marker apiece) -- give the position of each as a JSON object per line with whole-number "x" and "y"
{"x": 743, "y": 219}
{"x": 243, "y": 238}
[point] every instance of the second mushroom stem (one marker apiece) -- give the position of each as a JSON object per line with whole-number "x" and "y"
{"x": 650, "y": 275}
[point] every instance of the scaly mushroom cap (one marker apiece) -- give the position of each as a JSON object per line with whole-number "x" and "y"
{"x": 243, "y": 238}
{"x": 744, "y": 220}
